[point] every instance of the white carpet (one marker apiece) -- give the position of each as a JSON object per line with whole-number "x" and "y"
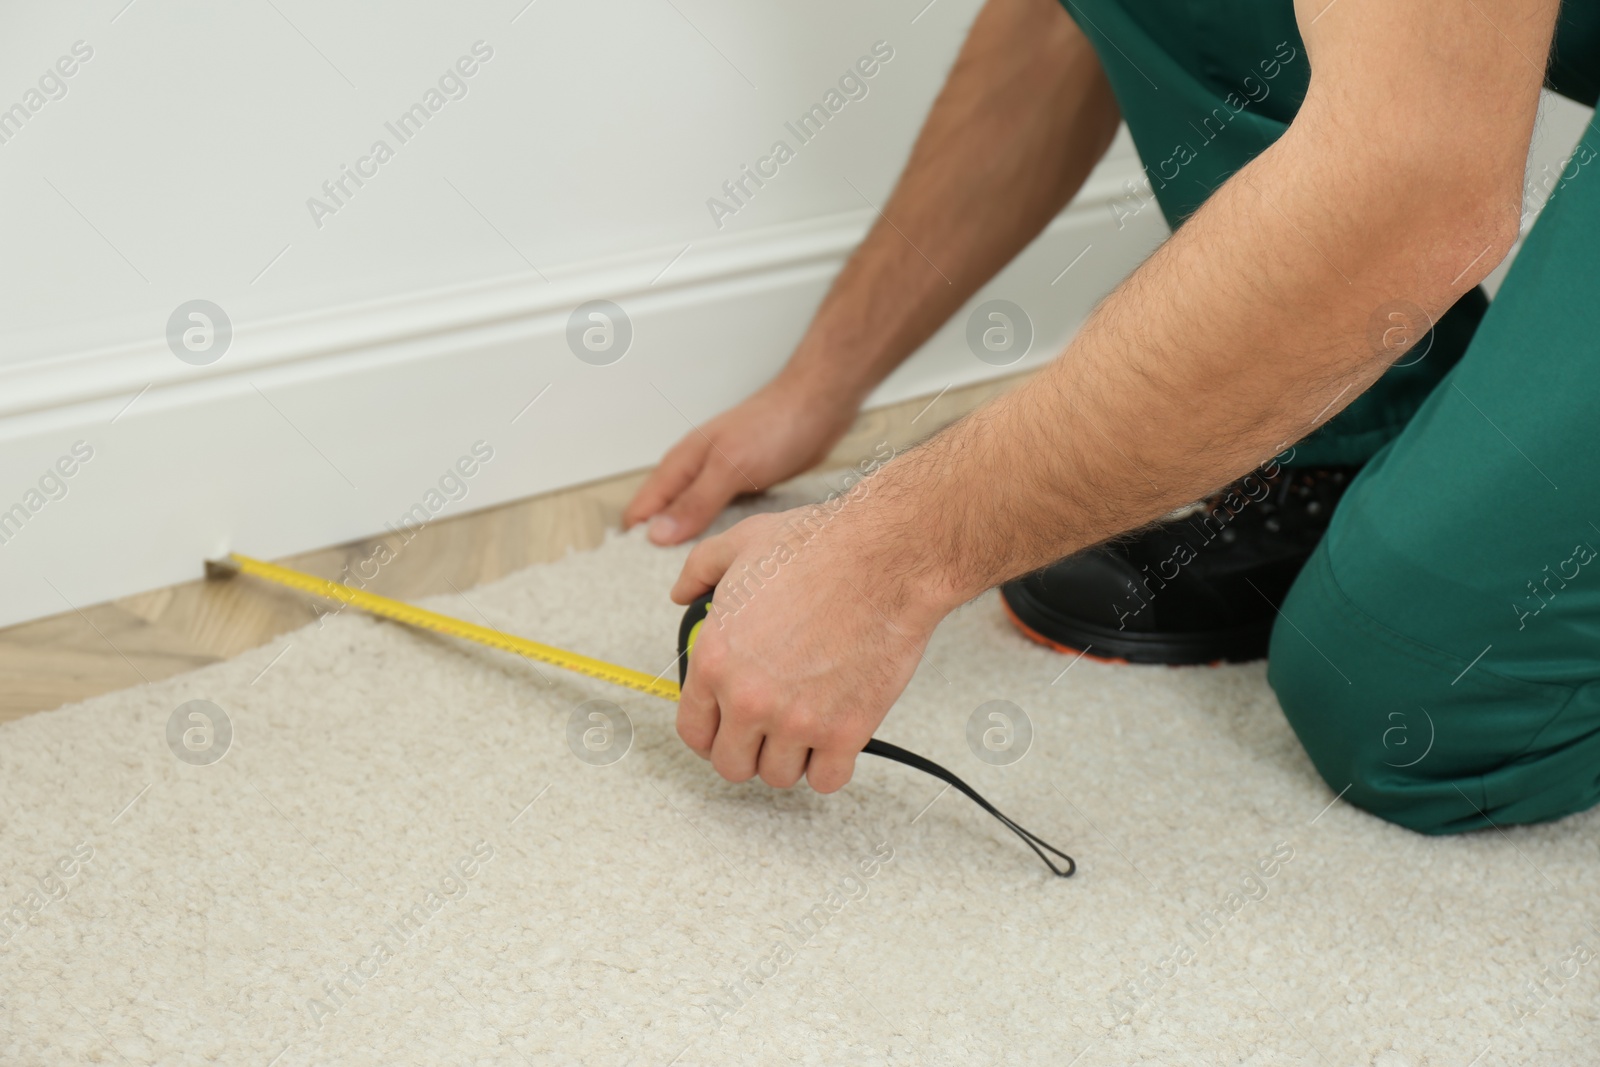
{"x": 648, "y": 912}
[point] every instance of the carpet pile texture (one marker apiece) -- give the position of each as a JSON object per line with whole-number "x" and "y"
{"x": 401, "y": 857}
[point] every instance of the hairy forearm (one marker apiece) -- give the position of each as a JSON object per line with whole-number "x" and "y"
{"x": 1238, "y": 337}
{"x": 1023, "y": 118}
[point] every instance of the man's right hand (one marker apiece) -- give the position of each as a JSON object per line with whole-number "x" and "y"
{"x": 781, "y": 431}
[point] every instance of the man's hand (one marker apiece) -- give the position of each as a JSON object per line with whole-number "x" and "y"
{"x": 1024, "y": 117}
{"x": 809, "y": 643}
{"x": 779, "y": 432}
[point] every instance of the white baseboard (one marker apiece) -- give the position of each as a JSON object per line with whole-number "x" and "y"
{"x": 331, "y": 426}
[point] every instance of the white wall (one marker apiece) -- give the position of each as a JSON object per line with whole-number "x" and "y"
{"x": 194, "y": 136}
{"x": 370, "y": 352}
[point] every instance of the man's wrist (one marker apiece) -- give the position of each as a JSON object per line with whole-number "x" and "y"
{"x": 831, "y": 368}
{"x": 896, "y": 541}
{"x": 938, "y": 518}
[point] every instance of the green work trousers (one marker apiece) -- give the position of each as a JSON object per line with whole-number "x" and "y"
{"x": 1439, "y": 657}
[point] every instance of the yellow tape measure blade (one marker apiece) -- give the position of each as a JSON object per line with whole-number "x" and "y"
{"x": 422, "y": 618}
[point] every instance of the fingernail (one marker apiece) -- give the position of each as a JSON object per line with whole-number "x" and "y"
{"x": 662, "y": 529}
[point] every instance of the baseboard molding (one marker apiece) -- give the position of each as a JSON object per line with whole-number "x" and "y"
{"x": 332, "y": 426}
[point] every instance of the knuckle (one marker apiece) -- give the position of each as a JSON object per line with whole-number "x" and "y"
{"x": 729, "y": 771}
{"x": 706, "y": 491}
{"x": 832, "y": 777}
{"x": 696, "y": 733}
{"x": 750, "y": 699}
{"x": 709, "y": 657}
{"x": 705, "y": 676}
{"x": 780, "y": 779}
{"x": 801, "y": 722}
{"x": 725, "y": 453}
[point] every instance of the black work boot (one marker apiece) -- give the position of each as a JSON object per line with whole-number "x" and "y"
{"x": 1202, "y": 586}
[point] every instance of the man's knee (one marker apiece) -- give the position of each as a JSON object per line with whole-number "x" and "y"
{"x": 1412, "y": 735}
{"x": 1368, "y": 751}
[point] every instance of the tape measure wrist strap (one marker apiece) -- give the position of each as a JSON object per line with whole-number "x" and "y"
{"x": 927, "y": 766}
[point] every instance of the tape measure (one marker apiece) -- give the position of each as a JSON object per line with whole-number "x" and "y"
{"x": 694, "y": 620}
{"x": 424, "y": 619}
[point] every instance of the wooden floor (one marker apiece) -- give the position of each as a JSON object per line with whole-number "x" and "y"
{"x": 55, "y": 661}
